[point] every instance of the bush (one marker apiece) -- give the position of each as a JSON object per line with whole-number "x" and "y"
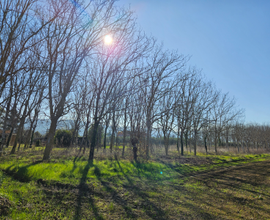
{"x": 63, "y": 138}
{"x": 37, "y": 135}
{"x": 37, "y": 143}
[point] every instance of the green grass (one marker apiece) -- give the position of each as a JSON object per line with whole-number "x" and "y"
{"x": 70, "y": 171}
{"x": 28, "y": 201}
{"x": 67, "y": 171}
{"x": 71, "y": 188}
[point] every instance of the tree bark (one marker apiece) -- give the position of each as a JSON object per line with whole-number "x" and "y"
{"x": 205, "y": 144}
{"x": 148, "y": 124}
{"x": 49, "y": 143}
{"x": 195, "y": 143}
{"x": 182, "y": 143}
{"x": 105, "y": 137}
{"x": 93, "y": 142}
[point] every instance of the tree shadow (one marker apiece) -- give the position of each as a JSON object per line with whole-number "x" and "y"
{"x": 144, "y": 170}
{"x": 83, "y": 191}
{"x": 22, "y": 173}
{"x": 77, "y": 158}
{"x": 241, "y": 186}
{"x": 114, "y": 194}
{"x": 151, "y": 209}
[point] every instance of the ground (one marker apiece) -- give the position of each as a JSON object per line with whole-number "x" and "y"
{"x": 165, "y": 187}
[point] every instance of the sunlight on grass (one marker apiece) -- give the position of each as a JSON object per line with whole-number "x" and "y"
{"x": 147, "y": 188}
{"x": 71, "y": 172}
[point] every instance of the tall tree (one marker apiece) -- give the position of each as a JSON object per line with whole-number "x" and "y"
{"x": 162, "y": 67}
{"x": 19, "y": 33}
{"x": 69, "y": 40}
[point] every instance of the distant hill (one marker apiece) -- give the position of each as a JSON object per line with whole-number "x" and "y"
{"x": 43, "y": 125}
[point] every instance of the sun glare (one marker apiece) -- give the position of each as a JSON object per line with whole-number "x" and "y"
{"x": 108, "y": 39}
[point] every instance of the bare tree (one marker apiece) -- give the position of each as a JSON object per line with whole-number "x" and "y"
{"x": 185, "y": 105}
{"x": 30, "y": 86}
{"x": 167, "y": 117}
{"x": 163, "y": 67}
{"x": 19, "y": 33}
{"x": 223, "y": 112}
{"x": 70, "y": 39}
{"x": 113, "y": 68}
{"x": 205, "y": 98}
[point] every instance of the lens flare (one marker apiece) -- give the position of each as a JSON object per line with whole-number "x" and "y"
{"x": 108, "y": 39}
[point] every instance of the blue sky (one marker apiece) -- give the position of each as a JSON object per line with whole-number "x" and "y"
{"x": 228, "y": 39}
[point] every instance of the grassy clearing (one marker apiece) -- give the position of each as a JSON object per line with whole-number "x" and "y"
{"x": 172, "y": 187}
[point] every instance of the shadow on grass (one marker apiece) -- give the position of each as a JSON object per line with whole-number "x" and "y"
{"x": 243, "y": 188}
{"x": 85, "y": 190}
{"x": 114, "y": 194}
{"x": 151, "y": 209}
{"x": 146, "y": 170}
{"x": 156, "y": 212}
{"x": 21, "y": 174}
{"x": 77, "y": 158}
{"x": 181, "y": 169}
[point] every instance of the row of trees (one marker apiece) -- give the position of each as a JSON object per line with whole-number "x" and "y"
{"x": 234, "y": 136}
{"x": 251, "y": 136}
{"x": 55, "y": 64}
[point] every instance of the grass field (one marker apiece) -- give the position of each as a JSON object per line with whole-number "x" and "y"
{"x": 226, "y": 186}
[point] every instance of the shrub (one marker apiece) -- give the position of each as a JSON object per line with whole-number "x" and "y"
{"x": 63, "y": 138}
{"x": 37, "y": 135}
{"x": 37, "y": 143}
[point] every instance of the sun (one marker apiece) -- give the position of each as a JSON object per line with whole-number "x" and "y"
{"x": 108, "y": 39}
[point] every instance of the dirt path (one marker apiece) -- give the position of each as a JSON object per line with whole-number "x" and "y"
{"x": 261, "y": 168}
{"x": 238, "y": 192}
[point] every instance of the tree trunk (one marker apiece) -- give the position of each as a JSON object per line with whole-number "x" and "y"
{"x": 105, "y": 137}
{"x": 205, "y": 143}
{"x": 21, "y": 137}
{"x": 84, "y": 139}
{"x": 75, "y": 131}
{"x": 125, "y": 132}
{"x": 195, "y": 143}
{"x": 124, "y": 140}
{"x": 49, "y": 143}
{"x": 135, "y": 149}
{"x": 186, "y": 139}
{"x": 215, "y": 144}
{"x": 166, "y": 144}
{"x": 28, "y": 137}
{"x": 182, "y": 143}
{"x": 32, "y": 136}
{"x": 3, "y": 142}
{"x": 93, "y": 142}
{"x": 16, "y": 139}
{"x": 112, "y": 140}
{"x": 9, "y": 137}
{"x": 177, "y": 143}
{"x": 148, "y": 124}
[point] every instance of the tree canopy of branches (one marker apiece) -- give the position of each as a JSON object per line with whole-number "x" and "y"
{"x": 55, "y": 63}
